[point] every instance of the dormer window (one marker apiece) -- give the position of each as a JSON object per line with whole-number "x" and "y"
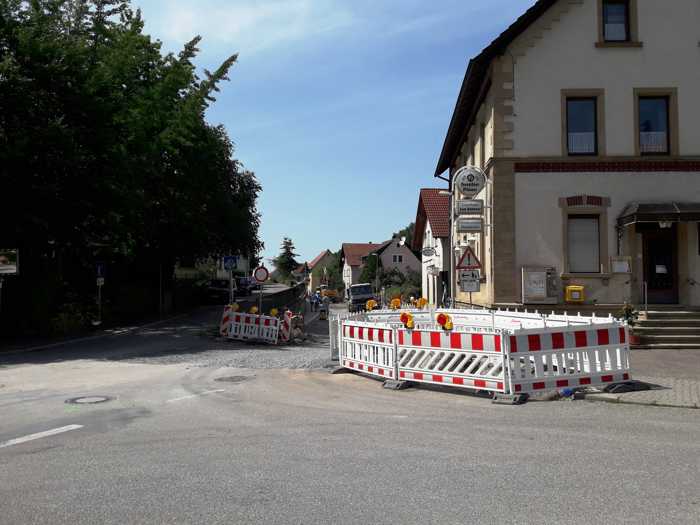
{"x": 616, "y": 20}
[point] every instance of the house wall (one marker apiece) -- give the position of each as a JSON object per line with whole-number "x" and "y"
{"x": 432, "y": 284}
{"x": 561, "y": 54}
{"x": 351, "y": 274}
{"x": 409, "y": 263}
{"x": 540, "y": 225}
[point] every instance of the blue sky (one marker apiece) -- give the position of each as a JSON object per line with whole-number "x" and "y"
{"x": 339, "y": 107}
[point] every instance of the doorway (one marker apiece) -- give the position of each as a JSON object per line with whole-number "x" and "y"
{"x": 661, "y": 264}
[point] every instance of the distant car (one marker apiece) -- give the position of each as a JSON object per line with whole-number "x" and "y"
{"x": 254, "y": 285}
{"x": 216, "y": 291}
{"x": 244, "y": 285}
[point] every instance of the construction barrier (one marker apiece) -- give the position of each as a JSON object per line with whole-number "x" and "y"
{"x": 497, "y": 351}
{"x": 285, "y": 334}
{"x": 252, "y": 327}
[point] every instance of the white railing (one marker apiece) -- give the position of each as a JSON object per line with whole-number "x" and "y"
{"x": 653, "y": 142}
{"x": 582, "y": 143}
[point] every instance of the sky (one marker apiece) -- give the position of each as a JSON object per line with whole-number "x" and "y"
{"x": 340, "y": 107}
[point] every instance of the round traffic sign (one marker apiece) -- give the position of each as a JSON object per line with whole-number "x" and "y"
{"x": 261, "y": 274}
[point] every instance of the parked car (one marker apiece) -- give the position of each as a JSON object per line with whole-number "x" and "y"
{"x": 216, "y": 291}
{"x": 244, "y": 285}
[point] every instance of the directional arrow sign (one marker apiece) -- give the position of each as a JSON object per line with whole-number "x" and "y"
{"x": 469, "y": 261}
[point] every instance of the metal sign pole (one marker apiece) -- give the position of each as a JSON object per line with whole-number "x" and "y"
{"x": 1, "y": 281}
{"x": 260, "y": 300}
{"x": 99, "y": 304}
{"x": 230, "y": 287}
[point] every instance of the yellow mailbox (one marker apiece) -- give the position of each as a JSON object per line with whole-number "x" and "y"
{"x": 575, "y": 293}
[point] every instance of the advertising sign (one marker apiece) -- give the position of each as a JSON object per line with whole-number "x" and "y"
{"x": 9, "y": 261}
{"x": 470, "y": 225}
{"x": 470, "y": 181}
{"x": 470, "y": 207}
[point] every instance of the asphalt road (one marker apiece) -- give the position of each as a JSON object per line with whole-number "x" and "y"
{"x": 199, "y": 430}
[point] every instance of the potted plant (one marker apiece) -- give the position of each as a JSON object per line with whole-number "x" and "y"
{"x": 630, "y": 315}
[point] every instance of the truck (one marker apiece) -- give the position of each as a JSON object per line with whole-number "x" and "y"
{"x": 324, "y": 291}
{"x": 358, "y": 295}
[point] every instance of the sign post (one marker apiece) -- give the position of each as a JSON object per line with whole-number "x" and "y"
{"x": 469, "y": 276}
{"x": 230, "y": 264}
{"x": 261, "y": 275}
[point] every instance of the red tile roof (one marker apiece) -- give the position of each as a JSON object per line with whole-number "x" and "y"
{"x": 318, "y": 258}
{"x": 435, "y": 208}
{"x": 354, "y": 252}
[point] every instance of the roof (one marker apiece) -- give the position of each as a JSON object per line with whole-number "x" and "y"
{"x": 659, "y": 212}
{"x": 318, "y": 258}
{"x": 434, "y": 208}
{"x": 354, "y": 252}
{"x": 477, "y": 81}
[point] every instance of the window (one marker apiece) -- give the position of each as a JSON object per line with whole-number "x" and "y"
{"x": 582, "y": 126}
{"x": 654, "y": 136}
{"x": 583, "y": 239}
{"x": 616, "y": 21}
{"x": 398, "y": 258}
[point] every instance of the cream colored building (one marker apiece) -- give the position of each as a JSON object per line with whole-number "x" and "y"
{"x": 584, "y": 115}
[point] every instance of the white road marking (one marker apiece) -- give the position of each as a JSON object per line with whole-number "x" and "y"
{"x": 39, "y": 435}
{"x": 194, "y": 395}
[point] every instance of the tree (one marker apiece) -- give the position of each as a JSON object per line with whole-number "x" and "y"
{"x": 370, "y": 269}
{"x": 105, "y": 153}
{"x": 407, "y": 232}
{"x": 285, "y": 262}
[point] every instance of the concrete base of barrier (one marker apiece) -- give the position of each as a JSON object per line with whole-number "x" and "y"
{"x": 341, "y": 370}
{"x": 509, "y": 399}
{"x": 392, "y": 384}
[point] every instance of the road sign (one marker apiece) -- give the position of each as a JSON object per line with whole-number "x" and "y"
{"x": 9, "y": 261}
{"x": 261, "y": 274}
{"x": 470, "y": 281}
{"x": 470, "y": 180}
{"x": 100, "y": 269}
{"x": 470, "y": 225}
{"x": 468, "y": 261}
{"x": 230, "y": 262}
{"x": 100, "y": 281}
{"x": 470, "y": 207}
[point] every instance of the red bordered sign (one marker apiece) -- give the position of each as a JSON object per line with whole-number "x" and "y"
{"x": 261, "y": 274}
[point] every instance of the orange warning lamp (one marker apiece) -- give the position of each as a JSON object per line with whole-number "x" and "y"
{"x": 407, "y": 320}
{"x": 445, "y": 321}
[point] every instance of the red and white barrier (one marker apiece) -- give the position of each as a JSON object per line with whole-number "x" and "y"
{"x": 368, "y": 348}
{"x": 252, "y": 327}
{"x": 508, "y": 352}
{"x": 285, "y": 332}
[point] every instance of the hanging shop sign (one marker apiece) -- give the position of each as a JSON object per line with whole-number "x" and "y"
{"x": 470, "y": 180}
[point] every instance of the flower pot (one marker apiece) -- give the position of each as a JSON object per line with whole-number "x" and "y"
{"x": 635, "y": 340}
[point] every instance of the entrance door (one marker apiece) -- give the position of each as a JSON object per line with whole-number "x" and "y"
{"x": 661, "y": 265}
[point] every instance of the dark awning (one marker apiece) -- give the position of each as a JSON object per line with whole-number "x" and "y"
{"x": 659, "y": 212}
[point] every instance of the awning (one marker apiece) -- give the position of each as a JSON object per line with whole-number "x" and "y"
{"x": 659, "y": 212}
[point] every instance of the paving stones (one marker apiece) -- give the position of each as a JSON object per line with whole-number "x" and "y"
{"x": 664, "y": 391}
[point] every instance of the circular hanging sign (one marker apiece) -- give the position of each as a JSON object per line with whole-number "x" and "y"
{"x": 470, "y": 180}
{"x": 261, "y": 274}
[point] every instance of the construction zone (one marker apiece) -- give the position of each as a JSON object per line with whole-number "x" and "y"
{"x": 511, "y": 355}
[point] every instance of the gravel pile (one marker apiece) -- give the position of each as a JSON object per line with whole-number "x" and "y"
{"x": 221, "y": 353}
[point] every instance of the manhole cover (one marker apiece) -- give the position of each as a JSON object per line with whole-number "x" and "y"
{"x": 232, "y": 379}
{"x": 88, "y": 400}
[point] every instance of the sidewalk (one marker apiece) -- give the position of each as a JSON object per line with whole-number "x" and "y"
{"x": 673, "y": 376}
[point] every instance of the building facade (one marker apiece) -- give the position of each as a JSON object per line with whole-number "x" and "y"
{"x": 432, "y": 238}
{"x": 583, "y": 114}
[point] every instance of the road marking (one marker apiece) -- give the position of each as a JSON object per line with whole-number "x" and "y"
{"x": 194, "y": 395}
{"x": 39, "y": 435}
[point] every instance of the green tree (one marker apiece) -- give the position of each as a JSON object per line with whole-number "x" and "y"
{"x": 370, "y": 269}
{"x": 105, "y": 153}
{"x": 407, "y": 232}
{"x": 285, "y": 262}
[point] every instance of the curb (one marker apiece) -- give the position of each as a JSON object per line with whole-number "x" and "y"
{"x": 608, "y": 398}
{"x": 124, "y": 331}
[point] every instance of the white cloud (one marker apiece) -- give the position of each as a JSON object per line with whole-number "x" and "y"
{"x": 248, "y": 25}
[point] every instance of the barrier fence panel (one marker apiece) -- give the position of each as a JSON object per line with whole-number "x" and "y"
{"x": 568, "y": 358}
{"x": 461, "y": 359}
{"x": 248, "y": 327}
{"x": 507, "y": 352}
{"x": 368, "y": 348}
